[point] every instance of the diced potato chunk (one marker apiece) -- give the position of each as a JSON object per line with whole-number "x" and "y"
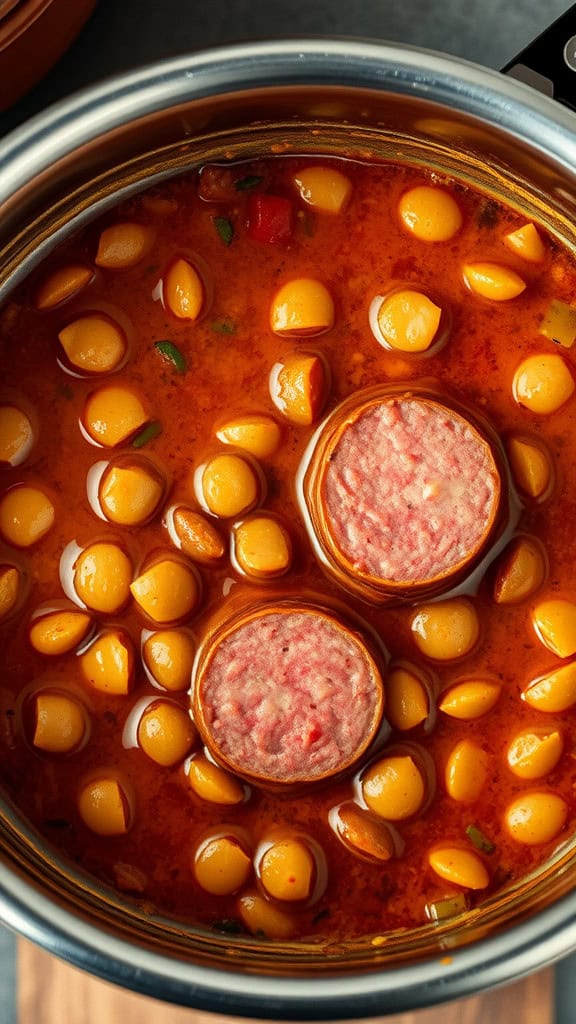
{"x": 531, "y": 465}
{"x": 26, "y": 515}
{"x": 60, "y": 723}
{"x": 553, "y": 692}
{"x": 221, "y": 865}
{"x": 521, "y": 571}
{"x": 59, "y": 631}
{"x": 104, "y": 806}
{"x": 113, "y": 414}
{"x": 108, "y": 664}
{"x": 407, "y": 699}
{"x": 531, "y": 754}
{"x": 167, "y": 591}
{"x": 230, "y": 486}
{"x": 166, "y": 733}
{"x": 554, "y": 622}
{"x": 302, "y": 307}
{"x": 61, "y": 285}
{"x": 122, "y": 246}
{"x": 257, "y": 434}
{"x": 559, "y": 323}
{"x": 299, "y": 387}
{"x": 527, "y": 243}
{"x": 493, "y": 281}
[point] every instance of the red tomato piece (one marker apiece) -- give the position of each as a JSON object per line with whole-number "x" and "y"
{"x": 270, "y": 218}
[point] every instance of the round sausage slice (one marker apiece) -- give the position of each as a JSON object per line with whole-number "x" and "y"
{"x": 287, "y": 694}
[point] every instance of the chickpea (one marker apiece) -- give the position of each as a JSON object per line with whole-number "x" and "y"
{"x": 466, "y": 772}
{"x": 9, "y": 589}
{"x": 394, "y": 788}
{"x": 109, "y": 663}
{"x": 430, "y": 214}
{"x": 531, "y": 755}
{"x": 531, "y": 465}
{"x": 543, "y": 383}
{"x": 287, "y": 870}
{"x": 214, "y": 784}
{"x": 102, "y": 574}
{"x": 446, "y": 630}
{"x": 221, "y": 865}
{"x": 299, "y": 387}
{"x": 167, "y": 592}
{"x": 26, "y": 515}
{"x": 536, "y": 817}
{"x": 59, "y": 631}
{"x": 196, "y": 536}
{"x": 553, "y": 692}
{"x": 262, "y": 547}
{"x": 93, "y": 343}
{"x": 122, "y": 246}
{"x": 61, "y": 285}
{"x": 521, "y": 572}
{"x": 258, "y": 435}
{"x": 261, "y": 918}
{"x": 60, "y": 723}
{"x": 323, "y": 188}
{"x": 130, "y": 492}
{"x": 526, "y": 243}
{"x": 302, "y": 307}
{"x": 113, "y": 415}
{"x": 104, "y": 806}
{"x": 230, "y": 486}
{"x": 169, "y": 656}
{"x": 367, "y": 836}
{"x": 493, "y": 281}
{"x": 16, "y": 436}
{"x": 409, "y": 321}
{"x": 554, "y": 623}
{"x": 459, "y": 867}
{"x": 166, "y": 733}
{"x": 470, "y": 699}
{"x": 184, "y": 290}
{"x": 407, "y": 700}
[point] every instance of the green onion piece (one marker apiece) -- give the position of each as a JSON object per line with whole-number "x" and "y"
{"x": 250, "y": 181}
{"x": 479, "y": 840}
{"x": 450, "y": 906}
{"x": 223, "y": 327}
{"x": 146, "y": 435}
{"x": 224, "y": 229}
{"x": 169, "y": 351}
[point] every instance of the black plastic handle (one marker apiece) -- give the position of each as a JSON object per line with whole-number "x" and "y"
{"x": 549, "y": 63}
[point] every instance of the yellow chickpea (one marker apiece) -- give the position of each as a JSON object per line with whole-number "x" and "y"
{"x": 287, "y": 870}
{"x": 407, "y": 700}
{"x": 16, "y": 436}
{"x": 130, "y": 492}
{"x": 543, "y": 383}
{"x": 9, "y": 589}
{"x": 554, "y": 622}
{"x": 302, "y": 307}
{"x": 183, "y": 290}
{"x": 394, "y": 788}
{"x": 493, "y": 281}
{"x": 471, "y": 699}
{"x": 60, "y": 723}
{"x": 122, "y": 246}
{"x": 196, "y": 536}
{"x": 230, "y": 486}
{"x": 459, "y": 867}
{"x": 93, "y": 343}
{"x": 59, "y": 631}
{"x": 102, "y": 574}
{"x": 26, "y": 515}
{"x": 214, "y": 784}
{"x": 299, "y": 387}
{"x": 104, "y": 806}
{"x": 526, "y": 243}
{"x": 262, "y": 547}
{"x": 167, "y": 592}
{"x": 531, "y": 465}
{"x": 536, "y": 817}
{"x": 446, "y": 630}
{"x": 430, "y": 214}
{"x": 257, "y": 434}
{"x": 521, "y": 572}
{"x": 531, "y": 755}
{"x": 166, "y": 733}
{"x": 262, "y": 918}
{"x": 323, "y": 188}
{"x": 409, "y": 321}
{"x": 109, "y": 663}
{"x": 360, "y": 831}
{"x": 61, "y": 285}
{"x": 113, "y": 415}
{"x": 169, "y": 656}
{"x": 553, "y": 692}
{"x": 466, "y": 772}
{"x": 221, "y": 865}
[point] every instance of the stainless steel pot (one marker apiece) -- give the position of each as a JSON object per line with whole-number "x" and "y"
{"x": 57, "y": 172}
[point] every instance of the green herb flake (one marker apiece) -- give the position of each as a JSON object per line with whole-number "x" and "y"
{"x": 223, "y": 327}
{"x": 444, "y": 909}
{"x": 171, "y": 354}
{"x": 479, "y": 840}
{"x": 224, "y": 229}
{"x": 250, "y": 181}
{"x": 148, "y": 434}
